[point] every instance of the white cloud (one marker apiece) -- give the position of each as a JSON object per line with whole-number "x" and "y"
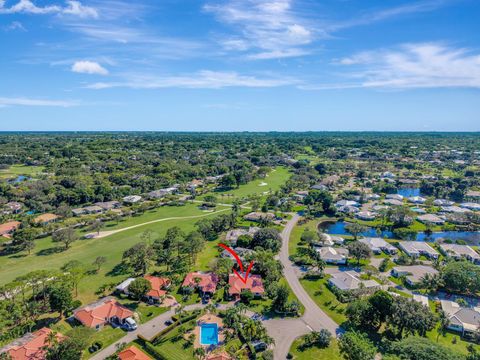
{"x": 76, "y": 8}
{"x": 72, "y": 7}
{"x": 89, "y": 67}
{"x": 204, "y": 79}
{"x": 268, "y": 29}
{"x": 421, "y": 65}
{"x": 14, "y": 25}
{"x": 4, "y": 102}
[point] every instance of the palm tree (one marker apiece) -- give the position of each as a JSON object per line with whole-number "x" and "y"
{"x": 443, "y": 323}
{"x": 199, "y": 353}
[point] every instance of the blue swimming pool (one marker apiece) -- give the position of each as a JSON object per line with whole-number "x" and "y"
{"x": 209, "y": 334}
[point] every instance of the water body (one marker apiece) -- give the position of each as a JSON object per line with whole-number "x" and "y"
{"x": 18, "y": 179}
{"x": 470, "y": 237}
{"x": 409, "y": 191}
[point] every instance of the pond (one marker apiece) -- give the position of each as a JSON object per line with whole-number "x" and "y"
{"x": 338, "y": 228}
{"x": 18, "y": 179}
{"x": 409, "y": 191}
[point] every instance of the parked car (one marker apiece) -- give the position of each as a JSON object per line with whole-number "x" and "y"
{"x": 130, "y": 324}
{"x": 168, "y": 322}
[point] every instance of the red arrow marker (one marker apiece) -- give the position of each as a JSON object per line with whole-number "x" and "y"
{"x": 235, "y": 255}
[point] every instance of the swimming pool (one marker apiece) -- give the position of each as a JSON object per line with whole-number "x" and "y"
{"x": 209, "y": 334}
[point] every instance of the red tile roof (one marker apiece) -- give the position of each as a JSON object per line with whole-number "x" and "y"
{"x": 158, "y": 284}
{"x": 133, "y": 353}
{"x": 208, "y": 281}
{"x": 254, "y": 284}
{"x": 31, "y": 346}
{"x": 9, "y": 227}
{"x": 101, "y": 312}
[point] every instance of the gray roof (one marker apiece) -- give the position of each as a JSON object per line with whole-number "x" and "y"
{"x": 333, "y": 254}
{"x": 350, "y": 280}
{"x": 415, "y": 273}
{"x": 377, "y": 244}
{"x": 457, "y": 250}
{"x": 417, "y": 248}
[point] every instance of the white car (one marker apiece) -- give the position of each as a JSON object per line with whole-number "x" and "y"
{"x": 130, "y": 324}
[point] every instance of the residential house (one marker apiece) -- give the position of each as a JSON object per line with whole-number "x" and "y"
{"x": 377, "y": 245}
{"x": 206, "y": 283}
{"x": 132, "y": 199}
{"x": 123, "y": 286}
{"x": 351, "y": 281}
{"x": 366, "y": 215}
{"x": 393, "y": 202}
{"x": 102, "y": 312}
{"x": 422, "y": 299}
{"x": 93, "y": 209}
{"x": 13, "y": 207}
{"x": 472, "y": 196}
{"x": 31, "y": 346}
{"x": 159, "y": 286}
{"x": 463, "y": 320}
{"x": 416, "y": 200}
{"x": 254, "y": 283}
{"x": 259, "y": 216}
{"x": 320, "y": 187}
{"x": 78, "y": 212}
{"x": 388, "y": 175}
{"x": 333, "y": 255}
{"x": 157, "y": 194}
{"x": 133, "y": 353}
{"x": 108, "y": 205}
{"x": 45, "y": 219}
{"x": 233, "y": 235}
{"x": 413, "y": 274}
{"x": 349, "y": 203}
{"x": 442, "y": 202}
{"x": 8, "y": 228}
{"x": 394, "y": 197}
{"x": 455, "y": 209}
{"x": 241, "y": 252}
{"x": 458, "y": 252}
{"x": 470, "y": 206}
{"x": 430, "y": 219}
{"x": 418, "y": 248}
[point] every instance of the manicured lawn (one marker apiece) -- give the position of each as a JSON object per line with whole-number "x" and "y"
{"x": 106, "y": 336}
{"x": 325, "y": 299}
{"x": 174, "y": 347}
{"x": 330, "y": 353}
{"x": 112, "y": 247}
{"x": 274, "y": 180}
{"x": 145, "y": 312}
{"x": 448, "y": 341}
{"x": 16, "y": 170}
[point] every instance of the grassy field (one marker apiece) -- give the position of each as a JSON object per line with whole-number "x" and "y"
{"x": 330, "y": 353}
{"x": 274, "y": 180}
{"x": 174, "y": 347}
{"x": 325, "y": 299}
{"x": 45, "y": 255}
{"x": 16, "y": 170}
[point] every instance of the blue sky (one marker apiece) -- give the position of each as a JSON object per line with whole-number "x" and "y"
{"x": 238, "y": 65}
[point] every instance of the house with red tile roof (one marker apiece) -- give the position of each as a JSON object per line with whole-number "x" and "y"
{"x": 254, "y": 283}
{"x": 206, "y": 283}
{"x": 159, "y": 286}
{"x": 105, "y": 311}
{"x": 8, "y": 228}
{"x": 133, "y": 353}
{"x": 31, "y": 346}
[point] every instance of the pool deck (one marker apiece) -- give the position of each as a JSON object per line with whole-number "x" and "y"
{"x": 209, "y": 319}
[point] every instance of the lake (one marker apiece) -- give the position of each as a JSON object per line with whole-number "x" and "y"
{"x": 470, "y": 237}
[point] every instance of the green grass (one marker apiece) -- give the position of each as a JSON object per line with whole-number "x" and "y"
{"x": 275, "y": 179}
{"x": 325, "y": 299}
{"x": 112, "y": 247}
{"x": 16, "y": 170}
{"x": 447, "y": 340}
{"x": 331, "y": 353}
{"x": 174, "y": 348}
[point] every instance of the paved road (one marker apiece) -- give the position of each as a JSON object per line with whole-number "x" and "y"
{"x": 285, "y": 331}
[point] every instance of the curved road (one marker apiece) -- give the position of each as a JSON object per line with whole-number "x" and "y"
{"x": 285, "y": 331}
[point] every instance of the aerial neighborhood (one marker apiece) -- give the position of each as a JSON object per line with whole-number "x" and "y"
{"x": 195, "y": 251}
